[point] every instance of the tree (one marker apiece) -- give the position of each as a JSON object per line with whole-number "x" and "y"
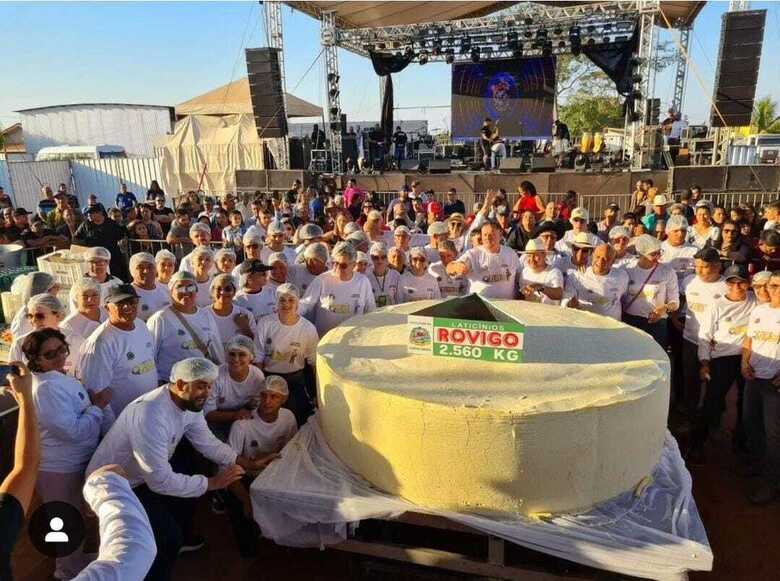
{"x": 587, "y": 112}
{"x": 765, "y": 119}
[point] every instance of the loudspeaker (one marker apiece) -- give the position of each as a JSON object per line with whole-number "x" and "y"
{"x": 410, "y": 165}
{"x": 343, "y": 124}
{"x": 543, "y": 164}
{"x": 439, "y": 166}
{"x": 511, "y": 165}
{"x": 297, "y": 157}
{"x": 739, "y": 57}
{"x": 265, "y": 91}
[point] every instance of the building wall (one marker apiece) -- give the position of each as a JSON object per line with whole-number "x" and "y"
{"x": 133, "y": 127}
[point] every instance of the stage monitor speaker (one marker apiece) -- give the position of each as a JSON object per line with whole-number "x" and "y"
{"x": 739, "y": 57}
{"x": 439, "y": 166}
{"x": 512, "y": 165}
{"x": 543, "y": 164}
{"x": 265, "y": 91}
{"x": 410, "y": 165}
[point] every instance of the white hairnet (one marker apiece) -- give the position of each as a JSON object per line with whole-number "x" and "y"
{"x": 288, "y": 289}
{"x": 344, "y": 249}
{"x": 619, "y": 232}
{"x": 362, "y": 257}
{"x": 179, "y": 276}
{"x": 140, "y": 258}
{"x": 646, "y": 244}
{"x": 378, "y": 249}
{"x": 351, "y": 227}
{"x": 81, "y": 285}
{"x": 318, "y": 250}
{"x": 309, "y": 232}
{"x": 224, "y": 252}
{"x": 199, "y": 227}
{"x": 762, "y": 277}
{"x": 194, "y": 369}
{"x": 252, "y": 236}
{"x": 240, "y": 343}
{"x": 221, "y": 280}
{"x": 164, "y": 255}
{"x": 275, "y": 227}
{"x": 45, "y": 300}
{"x": 97, "y": 253}
{"x": 203, "y": 251}
{"x": 276, "y": 384}
{"x": 34, "y": 283}
{"x": 676, "y": 223}
{"x": 276, "y": 257}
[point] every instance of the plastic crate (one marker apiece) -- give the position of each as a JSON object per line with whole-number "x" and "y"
{"x": 65, "y": 267}
{"x": 12, "y": 303}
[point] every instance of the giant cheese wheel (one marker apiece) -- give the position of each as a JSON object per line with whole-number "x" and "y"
{"x": 580, "y": 421}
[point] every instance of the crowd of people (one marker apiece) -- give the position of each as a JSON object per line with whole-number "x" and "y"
{"x": 211, "y": 332}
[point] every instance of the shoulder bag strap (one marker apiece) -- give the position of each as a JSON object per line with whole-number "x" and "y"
{"x": 641, "y": 288}
{"x": 202, "y": 347}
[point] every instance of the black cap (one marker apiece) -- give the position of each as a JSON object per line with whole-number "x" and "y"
{"x": 249, "y": 266}
{"x": 736, "y": 271}
{"x": 21, "y": 212}
{"x": 545, "y": 227}
{"x": 707, "y": 254}
{"x": 614, "y": 206}
{"x": 121, "y": 292}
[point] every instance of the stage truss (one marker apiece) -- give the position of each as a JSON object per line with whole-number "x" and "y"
{"x": 523, "y": 29}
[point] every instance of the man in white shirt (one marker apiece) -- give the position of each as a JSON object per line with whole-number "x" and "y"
{"x": 675, "y": 251}
{"x": 312, "y": 263}
{"x": 721, "y": 334}
{"x": 255, "y": 294}
{"x": 600, "y": 288}
{"x": 120, "y": 353}
{"x": 274, "y": 242}
{"x": 261, "y": 437}
{"x": 491, "y": 269}
{"x": 449, "y": 286}
{"x": 200, "y": 235}
{"x": 142, "y": 441}
{"x": 338, "y": 294}
{"x": 539, "y": 282}
{"x": 287, "y": 346}
{"x": 152, "y": 296}
{"x": 700, "y": 291}
{"x": 761, "y": 370}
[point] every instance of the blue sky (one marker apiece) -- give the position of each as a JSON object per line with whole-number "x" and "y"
{"x": 166, "y": 53}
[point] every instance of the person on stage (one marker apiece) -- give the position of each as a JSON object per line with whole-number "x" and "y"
{"x": 399, "y": 143}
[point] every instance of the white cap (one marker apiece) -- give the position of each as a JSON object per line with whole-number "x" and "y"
{"x": 224, "y": 252}
{"x": 582, "y": 239}
{"x": 646, "y": 244}
{"x": 194, "y": 369}
{"x": 660, "y": 200}
{"x": 318, "y": 250}
{"x": 579, "y": 212}
{"x": 97, "y": 253}
{"x": 351, "y": 228}
{"x": 252, "y": 236}
{"x": 378, "y": 249}
{"x": 437, "y": 228}
{"x": 344, "y": 249}
{"x": 276, "y": 384}
{"x": 240, "y": 343}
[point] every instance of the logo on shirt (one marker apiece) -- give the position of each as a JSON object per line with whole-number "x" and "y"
{"x": 81, "y": 395}
{"x": 130, "y": 355}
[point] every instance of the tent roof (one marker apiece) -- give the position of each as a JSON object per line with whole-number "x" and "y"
{"x": 234, "y": 99}
{"x": 379, "y": 14}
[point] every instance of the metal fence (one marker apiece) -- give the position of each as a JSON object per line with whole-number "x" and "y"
{"x": 103, "y": 177}
{"x": 23, "y": 180}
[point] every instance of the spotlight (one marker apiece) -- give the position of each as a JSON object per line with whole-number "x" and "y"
{"x": 423, "y": 57}
{"x": 558, "y": 31}
{"x": 465, "y": 46}
{"x": 450, "y": 56}
{"x": 487, "y": 51}
{"x": 527, "y": 34}
{"x": 591, "y": 29}
{"x": 475, "y": 55}
{"x": 333, "y": 78}
{"x": 334, "y": 111}
{"x": 541, "y": 33}
{"x": 333, "y": 92}
{"x": 436, "y": 51}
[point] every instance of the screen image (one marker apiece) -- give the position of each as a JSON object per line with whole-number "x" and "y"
{"x": 518, "y": 94}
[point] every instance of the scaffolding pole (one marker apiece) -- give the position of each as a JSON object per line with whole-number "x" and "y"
{"x": 635, "y": 142}
{"x": 275, "y": 37}
{"x": 681, "y": 72}
{"x": 332, "y": 89}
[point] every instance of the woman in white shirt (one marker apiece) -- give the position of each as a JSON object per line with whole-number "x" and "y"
{"x": 231, "y": 319}
{"x": 98, "y": 259}
{"x": 416, "y": 283}
{"x": 703, "y": 230}
{"x": 202, "y": 267}
{"x": 449, "y": 286}
{"x": 336, "y": 295}
{"x": 26, "y": 287}
{"x": 652, "y": 291}
{"x": 81, "y": 323}
{"x": 287, "y": 344}
{"x": 43, "y": 312}
{"x": 384, "y": 280}
{"x": 152, "y": 295}
{"x": 70, "y": 421}
{"x": 165, "y": 260}
{"x": 237, "y": 388}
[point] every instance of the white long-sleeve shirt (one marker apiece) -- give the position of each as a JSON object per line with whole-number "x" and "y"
{"x": 492, "y": 275}
{"x": 700, "y": 296}
{"x": 173, "y": 342}
{"x": 330, "y": 301}
{"x": 127, "y": 547}
{"x": 68, "y": 422}
{"x": 723, "y": 328}
{"x": 417, "y": 288}
{"x": 286, "y": 348}
{"x": 77, "y": 328}
{"x": 597, "y": 293}
{"x": 660, "y": 289}
{"x": 764, "y": 333}
{"x": 121, "y": 360}
{"x": 144, "y": 437}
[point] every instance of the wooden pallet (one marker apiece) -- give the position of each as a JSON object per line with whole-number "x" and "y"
{"x": 492, "y": 563}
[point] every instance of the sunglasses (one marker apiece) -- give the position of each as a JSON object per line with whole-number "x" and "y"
{"x": 342, "y": 265}
{"x": 36, "y": 316}
{"x": 54, "y": 353}
{"x": 418, "y": 259}
{"x": 378, "y": 257}
{"x": 187, "y": 288}
{"x": 732, "y": 230}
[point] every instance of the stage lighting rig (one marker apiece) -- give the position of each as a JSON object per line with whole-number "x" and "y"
{"x": 475, "y": 55}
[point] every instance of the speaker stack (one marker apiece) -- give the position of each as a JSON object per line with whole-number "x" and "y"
{"x": 741, "y": 38}
{"x": 265, "y": 91}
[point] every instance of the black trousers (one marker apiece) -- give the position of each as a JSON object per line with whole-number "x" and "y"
{"x": 724, "y": 371}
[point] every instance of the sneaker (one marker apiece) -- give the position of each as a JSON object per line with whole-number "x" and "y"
{"x": 194, "y": 543}
{"x": 217, "y": 504}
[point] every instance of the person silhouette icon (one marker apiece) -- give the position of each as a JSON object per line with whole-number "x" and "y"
{"x": 56, "y": 534}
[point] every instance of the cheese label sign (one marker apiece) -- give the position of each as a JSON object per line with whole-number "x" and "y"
{"x": 498, "y": 341}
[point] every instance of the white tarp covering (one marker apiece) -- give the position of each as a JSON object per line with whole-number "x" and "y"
{"x": 309, "y": 498}
{"x": 220, "y": 144}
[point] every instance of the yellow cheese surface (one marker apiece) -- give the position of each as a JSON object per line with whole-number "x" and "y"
{"x": 581, "y": 420}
